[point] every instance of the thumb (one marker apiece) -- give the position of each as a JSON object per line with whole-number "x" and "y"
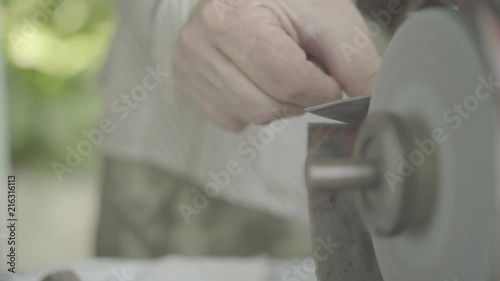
{"x": 339, "y": 39}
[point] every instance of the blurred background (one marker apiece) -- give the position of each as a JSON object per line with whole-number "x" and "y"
{"x": 53, "y": 52}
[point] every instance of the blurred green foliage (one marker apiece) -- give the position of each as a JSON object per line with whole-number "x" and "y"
{"x": 54, "y": 51}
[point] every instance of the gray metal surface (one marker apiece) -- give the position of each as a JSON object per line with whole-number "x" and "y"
{"x": 387, "y": 209}
{"x": 351, "y": 110}
{"x": 334, "y": 219}
{"x": 430, "y": 77}
{"x": 487, "y": 16}
{"x": 335, "y": 174}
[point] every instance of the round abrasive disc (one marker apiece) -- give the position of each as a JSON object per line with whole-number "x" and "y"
{"x": 433, "y": 77}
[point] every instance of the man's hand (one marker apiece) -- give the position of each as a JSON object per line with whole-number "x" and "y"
{"x": 252, "y": 61}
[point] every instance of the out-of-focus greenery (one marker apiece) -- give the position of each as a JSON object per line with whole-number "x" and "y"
{"x": 52, "y": 66}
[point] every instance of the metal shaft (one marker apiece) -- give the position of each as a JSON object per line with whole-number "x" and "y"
{"x": 340, "y": 174}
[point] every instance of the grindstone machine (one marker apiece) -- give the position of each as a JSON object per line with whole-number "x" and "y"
{"x": 408, "y": 182}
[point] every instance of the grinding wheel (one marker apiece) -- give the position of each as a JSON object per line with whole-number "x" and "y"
{"x": 433, "y": 64}
{"x": 423, "y": 169}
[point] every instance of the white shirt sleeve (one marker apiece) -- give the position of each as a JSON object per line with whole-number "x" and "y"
{"x": 168, "y": 20}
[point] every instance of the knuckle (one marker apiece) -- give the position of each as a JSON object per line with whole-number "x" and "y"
{"x": 263, "y": 117}
{"x": 289, "y": 94}
{"x": 255, "y": 110}
{"x": 237, "y": 127}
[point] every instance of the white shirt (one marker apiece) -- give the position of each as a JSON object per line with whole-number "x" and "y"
{"x": 262, "y": 167}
